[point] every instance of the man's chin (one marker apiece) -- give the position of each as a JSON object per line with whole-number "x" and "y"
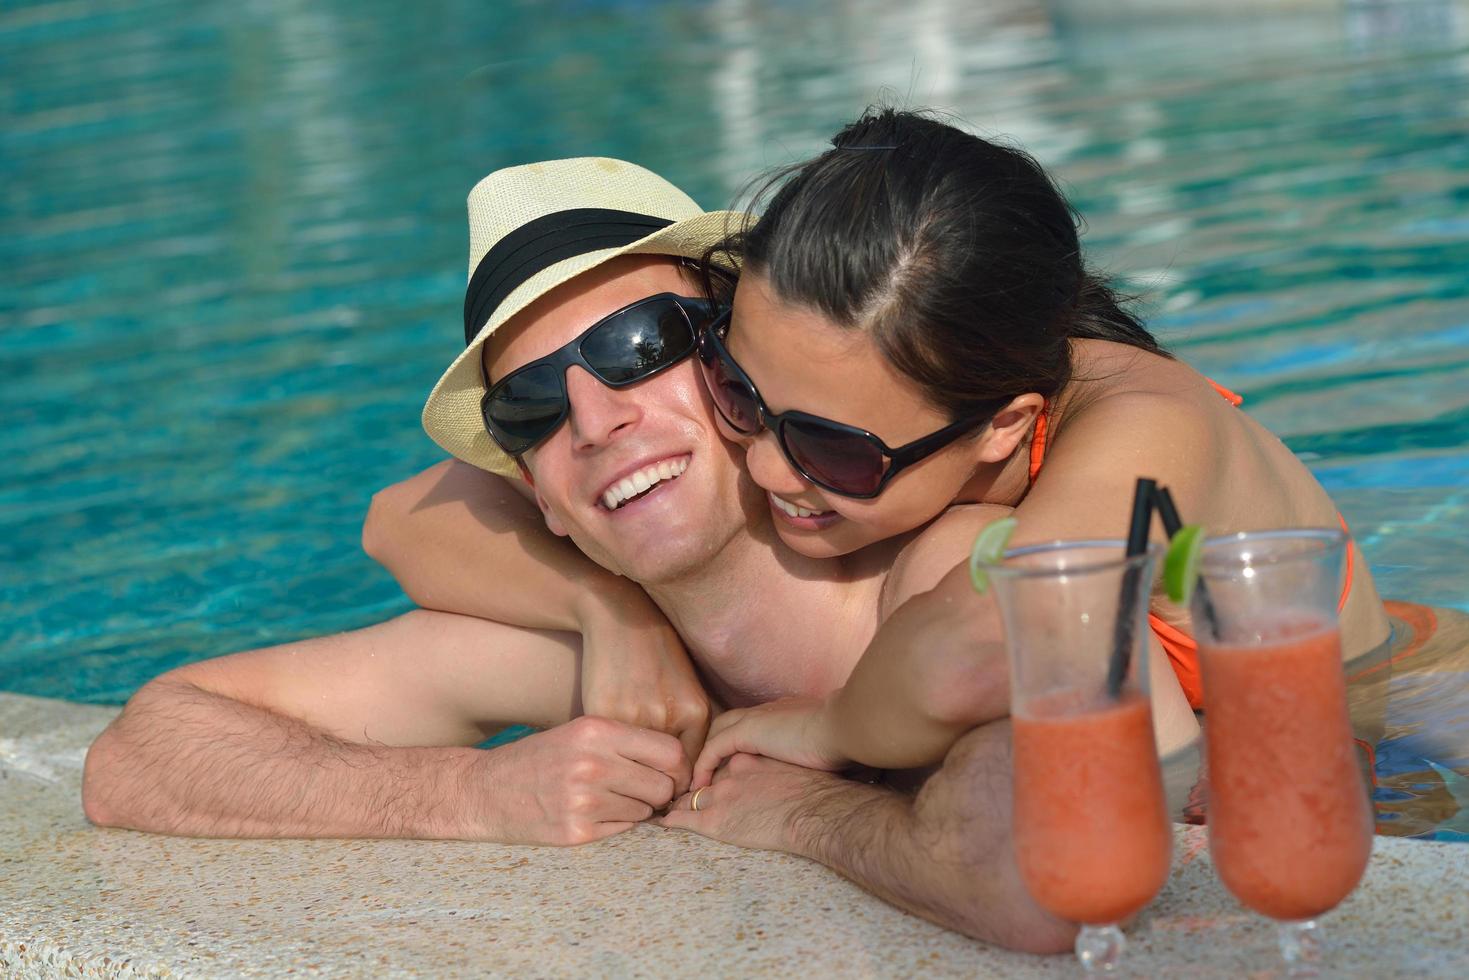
{"x": 668, "y": 556}
{"x": 655, "y": 574}
{"x": 669, "y": 563}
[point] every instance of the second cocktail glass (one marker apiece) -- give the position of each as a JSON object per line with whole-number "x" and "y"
{"x": 1290, "y": 825}
{"x": 1092, "y": 834}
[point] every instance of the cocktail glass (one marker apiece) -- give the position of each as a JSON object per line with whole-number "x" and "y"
{"x": 1092, "y": 835}
{"x": 1290, "y": 825}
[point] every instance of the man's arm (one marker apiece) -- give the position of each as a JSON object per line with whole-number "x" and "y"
{"x": 460, "y": 540}
{"x": 365, "y": 734}
{"x": 946, "y": 854}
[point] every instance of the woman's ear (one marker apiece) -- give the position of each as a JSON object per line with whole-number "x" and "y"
{"x": 1010, "y": 425}
{"x": 553, "y": 523}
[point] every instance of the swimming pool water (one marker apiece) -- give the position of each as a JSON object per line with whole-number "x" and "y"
{"x": 232, "y": 255}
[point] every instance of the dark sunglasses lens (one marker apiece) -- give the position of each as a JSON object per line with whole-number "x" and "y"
{"x": 525, "y": 407}
{"x": 732, "y": 396}
{"x": 846, "y": 462}
{"x": 645, "y": 339}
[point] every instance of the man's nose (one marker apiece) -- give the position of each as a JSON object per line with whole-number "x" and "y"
{"x": 598, "y": 412}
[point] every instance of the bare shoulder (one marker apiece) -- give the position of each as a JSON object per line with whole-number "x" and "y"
{"x": 1155, "y": 393}
{"x": 935, "y": 552}
{"x": 1174, "y": 436}
{"x": 1173, "y": 428}
{"x": 1145, "y": 418}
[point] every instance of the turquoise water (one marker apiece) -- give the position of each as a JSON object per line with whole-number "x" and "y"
{"x": 232, "y": 253}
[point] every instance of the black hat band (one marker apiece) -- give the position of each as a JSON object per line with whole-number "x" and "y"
{"x": 541, "y": 243}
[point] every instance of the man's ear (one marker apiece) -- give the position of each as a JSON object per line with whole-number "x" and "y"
{"x": 1010, "y": 425}
{"x": 552, "y": 521}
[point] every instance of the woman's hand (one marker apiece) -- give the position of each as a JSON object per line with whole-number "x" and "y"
{"x": 755, "y": 802}
{"x": 793, "y": 730}
{"x": 635, "y": 670}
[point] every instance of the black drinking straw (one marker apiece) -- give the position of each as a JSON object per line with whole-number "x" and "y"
{"x": 1163, "y": 501}
{"x": 1137, "y": 543}
{"x": 1167, "y": 512}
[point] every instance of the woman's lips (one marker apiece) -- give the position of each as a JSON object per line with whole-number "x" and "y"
{"x": 795, "y": 515}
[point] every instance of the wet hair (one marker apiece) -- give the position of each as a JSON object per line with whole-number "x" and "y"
{"x": 959, "y": 255}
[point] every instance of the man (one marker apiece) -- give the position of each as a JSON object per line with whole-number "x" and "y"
{"x": 574, "y": 265}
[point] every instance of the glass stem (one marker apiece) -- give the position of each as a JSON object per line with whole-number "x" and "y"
{"x": 1099, "y": 948}
{"x": 1300, "y": 947}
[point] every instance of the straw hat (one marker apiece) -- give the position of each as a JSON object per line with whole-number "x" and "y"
{"x": 532, "y": 228}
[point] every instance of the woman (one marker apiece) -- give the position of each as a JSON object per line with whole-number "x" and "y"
{"x": 924, "y": 289}
{"x": 918, "y": 287}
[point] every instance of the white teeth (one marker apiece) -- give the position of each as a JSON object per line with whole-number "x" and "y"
{"x": 635, "y": 483}
{"x": 795, "y": 510}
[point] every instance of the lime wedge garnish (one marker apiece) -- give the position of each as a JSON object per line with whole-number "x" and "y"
{"x": 989, "y": 548}
{"x": 1181, "y": 563}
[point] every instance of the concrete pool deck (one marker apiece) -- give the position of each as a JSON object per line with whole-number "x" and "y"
{"x": 77, "y": 901}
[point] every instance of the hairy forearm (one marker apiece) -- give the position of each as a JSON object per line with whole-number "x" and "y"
{"x": 866, "y": 833}
{"x": 946, "y": 854}
{"x": 181, "y": 760}
{"x": 461, "y": 540}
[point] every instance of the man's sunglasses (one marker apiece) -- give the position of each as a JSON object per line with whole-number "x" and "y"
{"x": 621, "y": 349}
{"x": 840, "y": 458}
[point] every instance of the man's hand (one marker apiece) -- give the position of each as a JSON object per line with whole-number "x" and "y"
{"x": 578, "y": 782}
{"x": 635, "y": 670}
{"x": 754, "y": 802}
{"x": 792, "y": 730}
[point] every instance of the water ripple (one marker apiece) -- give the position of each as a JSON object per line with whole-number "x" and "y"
{"x": 232, "y": 248}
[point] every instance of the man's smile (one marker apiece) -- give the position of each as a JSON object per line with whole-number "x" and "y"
{"x": 644, "y": 479}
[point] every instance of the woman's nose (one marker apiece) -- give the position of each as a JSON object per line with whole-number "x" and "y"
{"x": 769, "y": 467}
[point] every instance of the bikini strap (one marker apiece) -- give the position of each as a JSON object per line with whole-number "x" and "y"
{"x": 1225, "y": 393}
{"x": 1038, "y": 440}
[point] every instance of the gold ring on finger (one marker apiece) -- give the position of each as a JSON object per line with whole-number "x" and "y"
{"x": 694, "y": 803}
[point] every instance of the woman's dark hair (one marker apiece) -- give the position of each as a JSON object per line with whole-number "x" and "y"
{"x": 959, "y": 255}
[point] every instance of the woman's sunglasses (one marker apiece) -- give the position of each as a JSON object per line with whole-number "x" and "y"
{"x": 621, "y": 349}
{"x": 841, "y": 458}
